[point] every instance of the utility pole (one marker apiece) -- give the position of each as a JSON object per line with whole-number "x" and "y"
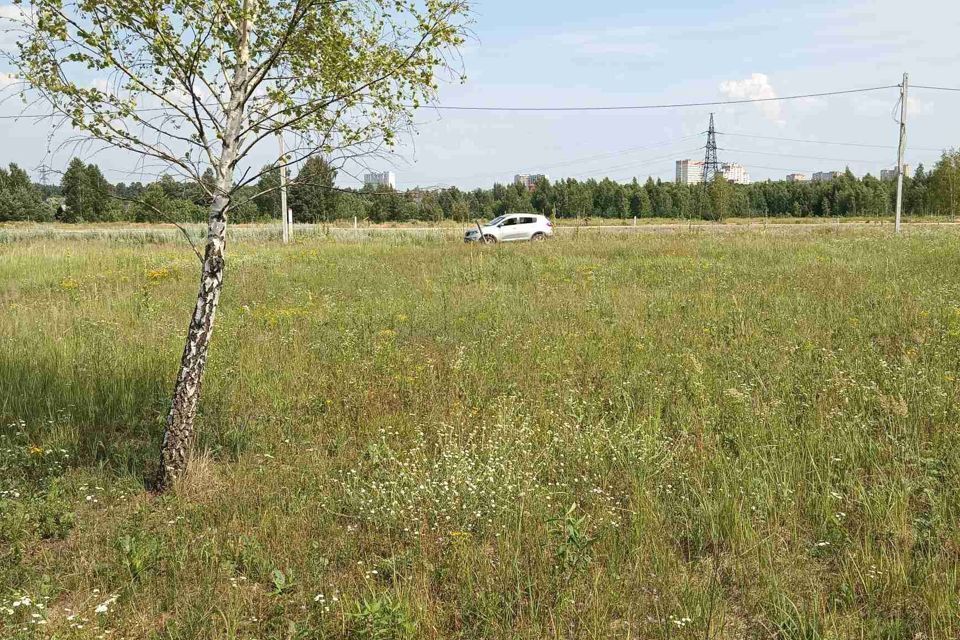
{"x": 711, "y": 167}
{"x": 902, "y": 147}
{"x": 284, "y": 212}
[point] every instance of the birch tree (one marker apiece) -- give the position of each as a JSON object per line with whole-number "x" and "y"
{"x": 196, "y": 85}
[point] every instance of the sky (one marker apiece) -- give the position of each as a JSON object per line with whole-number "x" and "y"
{"x": 535, "y": 53}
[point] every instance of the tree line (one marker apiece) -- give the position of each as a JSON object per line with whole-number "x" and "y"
{"x": 84, "y": 195}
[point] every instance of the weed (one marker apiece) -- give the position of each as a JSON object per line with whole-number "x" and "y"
{"x": 572, "y": 542}
{"x": 138, "y": 553}
{"x": 382, "y": 617}
{"x": 282, "y": 582}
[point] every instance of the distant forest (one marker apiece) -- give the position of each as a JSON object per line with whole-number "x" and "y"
{"x": 84, "y": 195}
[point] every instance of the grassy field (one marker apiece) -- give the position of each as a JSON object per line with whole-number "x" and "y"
{"x": 148, "y": 233}
{"x": 647, "y": 436}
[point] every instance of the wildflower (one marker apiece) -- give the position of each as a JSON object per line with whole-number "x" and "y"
{"x": 680, "y": 622}
{"x": 156, "y": 275}
{"x": 736, "y": 394}
{"x": 104, "y": 606}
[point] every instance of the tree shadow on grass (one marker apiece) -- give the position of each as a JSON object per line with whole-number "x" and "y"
{"x": 108, "y": 415}
{"x": 104, "y": 415}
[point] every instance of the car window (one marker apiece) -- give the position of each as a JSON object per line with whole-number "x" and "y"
{"x": 527, "y": 220}
{"x": 509, "y": 222}
{"x": 496, "y": 221}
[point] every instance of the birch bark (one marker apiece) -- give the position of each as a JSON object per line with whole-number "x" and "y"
{"x": 178, "y": 434}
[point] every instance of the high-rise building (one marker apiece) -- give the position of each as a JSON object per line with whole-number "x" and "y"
{"x": 689, "y": 171}
{"x": 735, "y": 173}
{"x": 529, "y": 180}
{"x": 797, "y": 177}
{"x": 385, "y": 179}
{"x": 825, "y": 176}
{"x": 891, "y": 174}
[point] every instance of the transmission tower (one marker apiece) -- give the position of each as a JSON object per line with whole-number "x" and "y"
{"x": 711, "y": 166}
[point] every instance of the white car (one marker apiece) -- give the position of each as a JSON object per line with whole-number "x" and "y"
{"x": 511, "y": 227}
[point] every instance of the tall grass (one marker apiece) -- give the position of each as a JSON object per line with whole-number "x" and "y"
{"x": 162, "y": 234}
{"x": 684, "y": 436}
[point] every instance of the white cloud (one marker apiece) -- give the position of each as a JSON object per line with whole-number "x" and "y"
{"x": 7, "y": 80}
{"x": 756, "y": 87}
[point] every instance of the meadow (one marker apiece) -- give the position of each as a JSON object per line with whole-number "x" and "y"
{"x": 686, "y": 435}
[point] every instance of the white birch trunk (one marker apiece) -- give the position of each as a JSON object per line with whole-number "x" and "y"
{"x": 178, "y": 435}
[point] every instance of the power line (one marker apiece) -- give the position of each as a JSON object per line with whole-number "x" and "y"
{"x": 613, "y": 154}
{"x": 585, "y": 159}
{"x": 29, "y": 116}
{"x": 33, "y": 116}
{"x": 793, "y": 155}
{"x": 920, "y": 86}
{"x": 788, "y": 169}
{"x": 825, "y": 142}
{"x": 642, "y": 163}
{"x": 675, "y": 105}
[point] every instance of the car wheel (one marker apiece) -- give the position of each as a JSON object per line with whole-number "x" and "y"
{"x": 538, "y": 237}
{"x": 488, "y": 239}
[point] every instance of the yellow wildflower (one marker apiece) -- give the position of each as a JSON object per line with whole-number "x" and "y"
{"x": 156, "y": 275}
